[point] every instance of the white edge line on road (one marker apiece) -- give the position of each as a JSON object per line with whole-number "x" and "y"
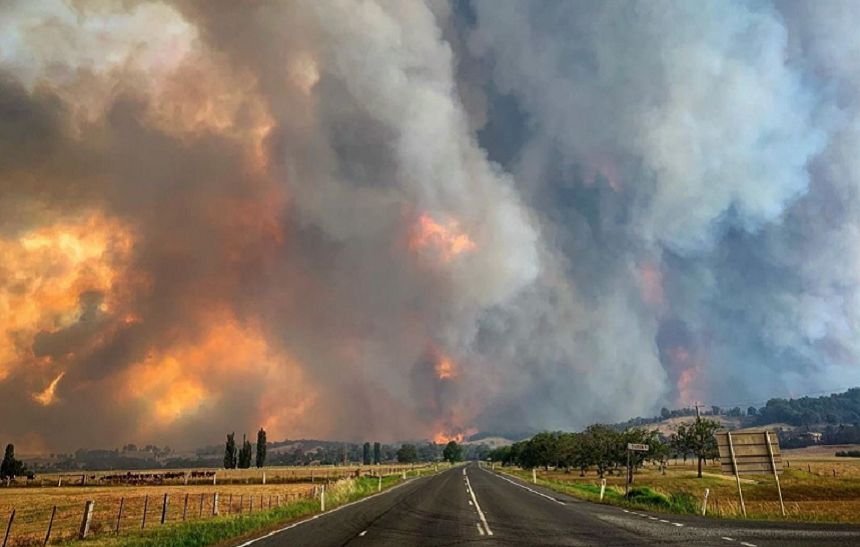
{"x": 478, "y": 507}
{"x": 293, "y": 525}
{"x": 527, "y": 488}
{"x": 727, "y": 538}
{"x": 362, "y": 534}
{"x": 678, "y": 524}
{"x": 480, "y": 530}
{"x": 745, "y": 544}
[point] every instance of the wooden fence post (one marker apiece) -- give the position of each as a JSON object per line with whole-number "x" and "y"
{"x": 241, "y": 503}
{"x": 215, "y": 504}
{"x": 9, "y": 528}
{"x": 278, "y": 500}
{"x": 145, "y": 507}
{"x": 251, "y": 503}
{"x": 50, "y": 525}
{"x": 164, "y": 507}
{"x": 185, "y": 509}
{"x": 230, "y": 505}
{"x": 87, "y": 519}
{"x": 119, "y": 514}
{"x": 200, "y": 516}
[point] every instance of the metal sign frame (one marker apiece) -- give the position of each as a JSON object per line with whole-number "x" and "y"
{"x": 750, "y": 453}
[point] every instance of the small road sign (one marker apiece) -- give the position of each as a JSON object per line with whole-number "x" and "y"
{"x": 637, "y": 447}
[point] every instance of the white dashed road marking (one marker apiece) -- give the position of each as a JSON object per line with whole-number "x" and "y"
{"x": 478, "y": 507}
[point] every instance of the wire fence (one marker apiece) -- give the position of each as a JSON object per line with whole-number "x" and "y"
{"x": 97, "y": 511}
{"x": 269, "y": 475}
{"x": 27, "y": 526}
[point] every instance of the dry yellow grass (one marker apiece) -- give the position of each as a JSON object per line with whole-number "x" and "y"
{"x": 223, "y": 476}
{"x": 34, "y": 506}
{"x": 808, "y": 496}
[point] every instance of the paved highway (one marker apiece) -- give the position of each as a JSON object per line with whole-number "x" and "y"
{"x": 471, "y": 506}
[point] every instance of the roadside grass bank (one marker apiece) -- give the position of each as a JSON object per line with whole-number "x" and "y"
{"x": 223, "y": 529}
{"x": 808, "y": 497}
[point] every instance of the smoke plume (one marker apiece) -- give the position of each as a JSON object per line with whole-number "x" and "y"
{"x": 390, "y": 220}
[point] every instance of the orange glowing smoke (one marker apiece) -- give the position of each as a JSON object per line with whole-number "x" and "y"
{"x": 44, "y": 272}
{"x": 445, "y": 368}
{"x": 446, "y": 239}
{"x": 48, "y": 397}
{"x": 189, "y": 375}
{"x": 687, "y": 379}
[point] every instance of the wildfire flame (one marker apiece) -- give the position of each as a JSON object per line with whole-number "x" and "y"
{"x": 445, "y": 369}
{"x": 48, "y": 397}
{"x": 446, "y": 239}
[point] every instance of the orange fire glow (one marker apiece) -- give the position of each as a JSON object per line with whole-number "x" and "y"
{"x": 44, "y": 272}
{"x": 445, "y": 368}
{"x": 446, "y": 239}
{"x": 686, "y": 384}
{"x": 187, "y": 376}
{"x": 48, "y": 396}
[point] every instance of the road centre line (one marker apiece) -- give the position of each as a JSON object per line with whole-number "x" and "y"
{"x": 478, "y": 507}
{"x": 295, "y": 524}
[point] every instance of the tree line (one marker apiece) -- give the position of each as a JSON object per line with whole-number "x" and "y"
{"x": 604, "y": 449}
{"x": 235, "y": 457}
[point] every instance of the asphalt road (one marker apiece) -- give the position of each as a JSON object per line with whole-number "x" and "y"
{"x": 470, "y": 506}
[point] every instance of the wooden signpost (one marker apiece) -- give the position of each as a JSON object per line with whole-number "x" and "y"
{"x": 632, "y": 447}
{"x": 750, "y": 453}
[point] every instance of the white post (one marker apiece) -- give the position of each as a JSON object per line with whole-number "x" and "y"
{"x": 322, "y": 499}
{"x": 380, "y": 484}
{"x": 264, "y": 477}
{"x": 186, "y": 478}
{"x": 602, "y": 488}
{"x": 534, "y": 476}
{"x": 215, "y": 504}
{"x": 494, "y": 466}
{"x": 214, "y": 478}
{"x": 404, "y": 474}
{"x": 705, "y": 501}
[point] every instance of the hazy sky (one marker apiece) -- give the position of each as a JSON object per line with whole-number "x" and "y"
{"x": 381, "y": 220}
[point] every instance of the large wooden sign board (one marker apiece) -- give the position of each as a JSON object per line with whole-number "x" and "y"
{"x": 751, "y": 454}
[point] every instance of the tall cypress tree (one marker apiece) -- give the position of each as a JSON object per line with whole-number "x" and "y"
{"x": 245, "y": 454}
{"x": 230, "y": 453}
{"x": 11, "y": 468}
{"x": 366, "y": 454}
{"x": 261, "y": 448}
{"x": 377, "y": 453}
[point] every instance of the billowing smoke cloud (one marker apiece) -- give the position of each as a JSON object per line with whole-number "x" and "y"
{"x": 400, "y": 219}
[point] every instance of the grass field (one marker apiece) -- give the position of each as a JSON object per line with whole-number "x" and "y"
{"x": 130, "y": 508}
{"x": 808, "y": 496}
{"x": 203, "y": 533}
{"x": 222, "y": 476}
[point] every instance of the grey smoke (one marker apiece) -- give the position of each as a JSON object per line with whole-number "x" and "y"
{"x": 639, "y": 179}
